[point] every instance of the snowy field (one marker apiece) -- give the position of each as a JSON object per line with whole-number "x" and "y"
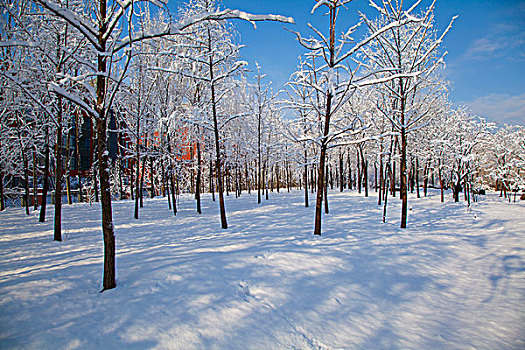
{"x": 455, "y": 279}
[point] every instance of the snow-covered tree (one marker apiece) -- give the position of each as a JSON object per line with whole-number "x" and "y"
{"x": 108, "y": 28}
{"x": 408, "y": 56}
{"x": 334, "y": 78}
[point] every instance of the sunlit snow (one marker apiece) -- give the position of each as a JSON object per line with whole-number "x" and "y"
{"x": 455, "y": 279}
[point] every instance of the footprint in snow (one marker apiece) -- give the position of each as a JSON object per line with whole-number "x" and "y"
{"x": 265, "y": 255}
{"x": 244, "y": 290}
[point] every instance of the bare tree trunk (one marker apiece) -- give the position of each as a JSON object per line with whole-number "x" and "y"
{"x": 265, "y": 179}
{"x": 151, "y": 177}
{"x": 173, "y": 193}
{"x": 387, "y": 182}
{"x": 340, "y": 173}
{"x": 403, "y": 176}
{"x": 58, "y": 172}
{"x": 137, "y": 186}
{"x": 94, "y": 170}
{"x": 365, "y": 172}
{"x": 227, "y": 179}
{"x": 305, "y": 176}
{"x": 288, "y": 177}
{"x": 326, "y": 211}
{"x": 456, "y": 190}
{"x": 120, "y": 166}
{"x": 137, "y": 170}
{"x": 375, "y": 177}
{"x": 68, "y": 167}
{"x": 359, "y": 172}
{"x": 381, "y": 181}
{"x": 417, "y": 178}
{"x": 35, "y": 191}
{"x": 328, "y": 113}
{"x": 349, "y": 171}
{"x": 278, "y": 178}
{"x": 109, "y": 280}
{"x": 247, "y": 178}
{"x": 259, "y": 172}
{"x": 131, "y": 189}
{"x": 46, "y": 179}
{"x": 412, "y": 175}
{"x": 141, "y": 192}
{"x": 393, "y": 179}
{"x": 441, "y": 184}
{"x": 163, "y": 179}
{"x": 425, "y": 179}
{"x": 77, "y": 149}
{"x": 218, "y": 160}
{"x": 198, "y": 182}
{"x": 212, "y": 181}
{"x": 26, "y": 179}
{"x": 168, "y": 192}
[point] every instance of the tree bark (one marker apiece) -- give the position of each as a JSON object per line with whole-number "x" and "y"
{"x": 35, "y": 174}
{"x": 381, "y": 180}
{"x": 359, "y": 172}
{"x": 68, "y": 167}
{"x": 26, "y": 179}
{"x": 328, "y": 113}
{"x": 403, "y": 176}
{"x": 222, "y": 206}
{"x": 77, "y": 149}
{"x": 42, "y": 217}
{"x": 326, "y": 210}
{"x": 305, "y": 176}
{"x": 198, "y": 182}
{"x": 375, "y": 177}
{"x": 151, "y": 177}
{"x": 349, "y": 171}
{"x": 131, "y": 180}
{"x": 417, "y": 178}
{"x": 425, "y": 179}
{"x": 58, "y": 175}
{"x": 212, "y": 181}
{"x": 109, "y": 280}
{"x": 441, "y": 185}
{"x": 95, "y": 178}
{"x": 341, "y": 173}
{"x": 387, "y": 182}
{"x": 141, "y": 192}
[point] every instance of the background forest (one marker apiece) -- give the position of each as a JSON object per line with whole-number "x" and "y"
{"x": 114, "y": 100}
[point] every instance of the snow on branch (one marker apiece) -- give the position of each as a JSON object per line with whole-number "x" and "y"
{"x": 76, "y": 20}
{"x": 309, "y": 44}
{"x": 376, "y": 34}
{"x": 329, "y": 3}
{"x": 178, "y": 28}
{"x": 32, "y": 96}
{"x": 73, "y": 98}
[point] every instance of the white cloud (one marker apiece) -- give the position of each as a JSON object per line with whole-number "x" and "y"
{"x": 503, "y": 41}
{"x": 484, "y": 48}
{"x": 499, "y": 108}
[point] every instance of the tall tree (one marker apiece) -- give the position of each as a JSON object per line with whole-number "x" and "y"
{"x": 334, "y": 79}
{"x": 408, "y": 52}
{"x": 102, "y": 25}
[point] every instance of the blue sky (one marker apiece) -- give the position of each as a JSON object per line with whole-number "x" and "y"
{"x": 486, "y": 48}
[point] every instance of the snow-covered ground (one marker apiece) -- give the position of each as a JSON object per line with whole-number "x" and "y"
{"x": 455, "y": 279}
